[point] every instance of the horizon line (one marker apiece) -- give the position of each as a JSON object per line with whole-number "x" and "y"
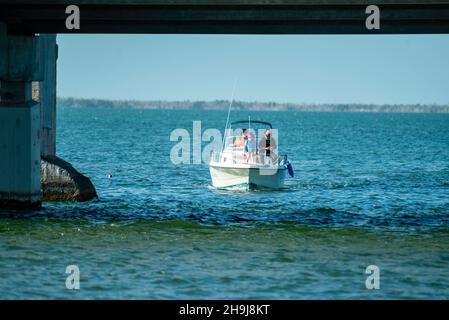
{"x": 262, "y": 102}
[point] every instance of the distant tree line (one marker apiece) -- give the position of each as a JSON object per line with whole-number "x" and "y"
{"x": 242, "y": 105}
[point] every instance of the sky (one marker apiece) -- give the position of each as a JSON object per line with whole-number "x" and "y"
{"x": 380, "y": 69}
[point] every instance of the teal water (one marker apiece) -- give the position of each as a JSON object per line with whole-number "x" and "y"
{"x": 369, "y": 189}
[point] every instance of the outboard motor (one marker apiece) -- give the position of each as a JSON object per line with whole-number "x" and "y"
{"x": 289, "y": 166}
{"x": 290, "y": 169}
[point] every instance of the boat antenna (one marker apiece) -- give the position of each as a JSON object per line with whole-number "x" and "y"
{"x": 229, "y": 113}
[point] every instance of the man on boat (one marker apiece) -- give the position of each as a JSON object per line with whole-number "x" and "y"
{"x": 267, "y": 145}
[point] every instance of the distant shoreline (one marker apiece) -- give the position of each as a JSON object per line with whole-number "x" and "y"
{"x": 256, "y": 106}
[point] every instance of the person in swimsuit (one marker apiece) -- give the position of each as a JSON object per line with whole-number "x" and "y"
{"x": 251, "y": 147}
{"x": 240, "y": 141}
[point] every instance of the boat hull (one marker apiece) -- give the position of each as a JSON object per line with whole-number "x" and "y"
{"x": 251, "y": 177}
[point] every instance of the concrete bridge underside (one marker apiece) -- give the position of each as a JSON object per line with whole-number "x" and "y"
{"x": 227, "y": 16}
{"x": 28, "y": 53}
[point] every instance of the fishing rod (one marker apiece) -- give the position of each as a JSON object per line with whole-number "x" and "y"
{"x": 229, "y": 113}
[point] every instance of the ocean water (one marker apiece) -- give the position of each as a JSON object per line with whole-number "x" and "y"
{"x": 369, "y": 189}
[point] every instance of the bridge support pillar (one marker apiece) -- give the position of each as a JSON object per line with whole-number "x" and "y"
{"x": 47, "y": 94}
{"x": 19, "y": 122}
{"x": 30, "y": 171}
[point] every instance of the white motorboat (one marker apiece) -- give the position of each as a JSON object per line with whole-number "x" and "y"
{"x": 246, "y": 166}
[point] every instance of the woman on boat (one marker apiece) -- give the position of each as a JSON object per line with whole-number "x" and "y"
{"x": 250, "y": 147}
{"x": 240, "y": 141}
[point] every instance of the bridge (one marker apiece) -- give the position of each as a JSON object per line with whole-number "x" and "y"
{"x": 226, "y": 16}
{"x": 28, "y": 54}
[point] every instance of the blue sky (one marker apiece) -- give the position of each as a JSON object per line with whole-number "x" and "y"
{"x": 311, "y": 69}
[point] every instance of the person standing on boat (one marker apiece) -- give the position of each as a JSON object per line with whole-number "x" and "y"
{"x": 250, "y": 147}
{"x": 267, "y": 146}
